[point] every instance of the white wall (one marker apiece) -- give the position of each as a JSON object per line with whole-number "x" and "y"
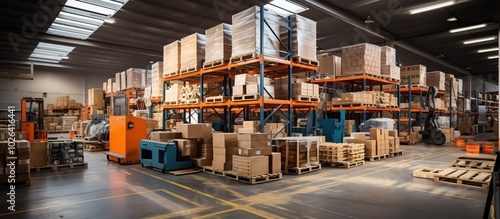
{"x": 54, "y": 83}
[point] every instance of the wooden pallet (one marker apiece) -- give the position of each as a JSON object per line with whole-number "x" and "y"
{"x": 376, "y": 158}
{"x": 353, "y": 104}
{"x": 427, "y": 173}
{"x": 395, "y": 153}
{"x": 306, "y": 98}
{"x": 245, "y": 97}
{"x": 17, "y": 183}
{"x": 415, "y": 85}
{"x": 385, "y": 106}
{"x": 243, "y": 57}
{"x": 189, "y": 70}
{"x": 170, "y": 74}
{"x": 183, "y": 172}
{"x": 216, "y": 63}
{"x": 254, "y": 179}
{"x": 60, "y": 166}
{"x": 386, "y": 77}
{"x": 190, "y": 102}
{"x": 92, "y": 148}
{"x": 464, "y": 177}
{"x": 303, "y": 170}
{"x": 216, "y": 99}
{"x": 305, "y": 61}
{"x": 346, "y": 164}
{"x": 471, "y": 164}
{"x": 367, "y": 74}
{"x": 172, "y": 103}
{"x": 210, "y": 170}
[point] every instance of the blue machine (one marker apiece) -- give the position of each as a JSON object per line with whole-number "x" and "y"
{"x": 163, "y": 155}
{"x": 333, "y": 129}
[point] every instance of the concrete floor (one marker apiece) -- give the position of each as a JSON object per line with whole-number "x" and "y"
{"x": 381, "y": 189}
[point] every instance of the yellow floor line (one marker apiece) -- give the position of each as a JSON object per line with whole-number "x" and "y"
{"x": 79, "y": 202}
{"x": 181, "y": 197}
{"x": 126, "y": 172}
{"x": 315, "y": 207}
{"x": 183, "y": 213}
{"x": 216, "y": 213}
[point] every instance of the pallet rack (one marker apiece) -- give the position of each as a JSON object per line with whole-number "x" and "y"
{"x": 228, "y": 110}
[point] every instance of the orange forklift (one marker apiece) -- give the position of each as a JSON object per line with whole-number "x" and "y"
{"x": 31, "y": 120}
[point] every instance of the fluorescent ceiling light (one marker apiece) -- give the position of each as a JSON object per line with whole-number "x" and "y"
{"x": 451, "y": 19}
{"x": 80, "y": 18}
{"x": 67, "y": 34}
{"x": 467, "y": 28}
{"x": 431, "y": 7}
{"x": 479, "y": 40}
{"x": 493, "y": 57}
{"x": 488, "y": 50}
{"x": 90, "y": 7}
{"x": 110, "y": 20}
{"x": 75, "y": 23}
{"x": 50, "y": 52}
{"x": 65, "y": 57}
{"x": 285, "y": 7}
{"x": 71, "y": 29}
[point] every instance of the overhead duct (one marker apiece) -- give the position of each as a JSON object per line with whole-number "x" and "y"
{"x": 379, "y": 32}
{"x": 16, "y": 71}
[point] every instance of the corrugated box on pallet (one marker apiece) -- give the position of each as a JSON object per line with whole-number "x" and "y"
{"x": 67, "y": 122}
{"x": 300, "y": 89}
{"x": 96, "y": 97}
{"x": 303, "y": 38}
{"x": 275, "y": 162}
{"x": 173, "y": 93}
{"x": 416, "y": 72}
{"x": 123, "y": 80}
{"x": 250, "y": 166}
{"x": 244, "y": 79}
{"x": 387, "y": 56}
{"x": 192, "y": 52}
{"x": 370, "y": 147}
{"x": 134, "y": 77}
{"x": 172, "y": 58}
{"x": 115, "y": 87}
{"x": 201, "y": 130}
{"x": 391, "y": 71}
{"x": 146, "y": 78}
{"x": 255, "y": 89}
{"x": 246, "y": 33}
{"x": 248, "y": 152}
{"x": 361, "y": 58}
{"x": 218, "y": 44}
{"x": 329, "y": 65}
{"x": 436, "y": 79}
{"x": 118, "y": 80}
{"x": 38, "y": 154}
{"x": 188, "y": 147}
{"x": 164, "y": 136}
{"x": 461, "y": 85}
{"x": 157, "y": 79}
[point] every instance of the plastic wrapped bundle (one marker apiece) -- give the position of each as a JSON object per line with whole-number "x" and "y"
{"x": 383, "y": 123}
{"x": 303, "y": 36}
{"x": 123, "y": 80}
{"x": 115, "y": 87}
{"x": 111, "y": 85}
{"x": 157, "y": 79}
{"x": 387, "y": 55}
{"x": 192, "y": 52}
{"x": 105, "y": 86}
{"x": 246, "y": 33}
{"x": 361, "y": 58}
{"x": 134, "y": 77}
{"x": 118, "y": 80}
{"x": 218, "y": 44}
{"x": 146, "y": 78}
{"x": 172, "y": 58}
{"x": 67, "y": 122}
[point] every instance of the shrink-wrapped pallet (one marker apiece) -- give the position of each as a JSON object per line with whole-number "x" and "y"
{"x": 461, "y": 86}
{"x": 118, "y": 80}
{"x": 246, "y": 34}
{"x": 416, "y": 72}
{"x": 173, "y": 93}
{"x": 218, "y": 44}
{"x": 192, "y": 52}
{"x": 329, "y": 65}
{"x": 111, "y": 85}
{"x": 361, "y": 58}
{"x": 95, "y": 97}
{"x": 115, "y": 87}
{"x": 157, "y": 79}
{"x": 134, "y": 77}
{"x": 67, "y": 122}
{"x": 303, "y": 38}
{"x": 105, "y": 86}
{"x": 146, "y": 78}
{"x": 123, "y": 80}
{"x": 172, "y": 58}
{"x": 391, "y": 71}
{"x": 387, "y": 55}
{"x": 436, "y": 79}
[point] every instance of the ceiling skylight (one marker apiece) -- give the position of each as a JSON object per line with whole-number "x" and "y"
{"x": 78, "y": 19}
{"x": 50, "y": 52}
{"x": 285, "y": 7}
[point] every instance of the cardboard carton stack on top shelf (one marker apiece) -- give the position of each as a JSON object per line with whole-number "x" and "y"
{"x": 192, "y": 52}
{"x": 366, "y": 98}
{"x": 95, "y": 97}
{"x": 436, "y": 79}
{"x": 110, "y": 85}
{"x": 388, "y": 63}
{"x": 417, "y": 74}
{"x": 157, "y": 80}
{"x": 171, "y": 58}
{"x": 246, "y": 34}
{"x": 361, "y": 58}
{"x": 329, "y": 66}
{"x": 300, "y": 89}
{"x": 247, "y": 84}
{"x": 118, "y": 80}
{"x": 218, "y": 45}
{"x": 225, "y": 146}
{"x": 303, "y": 39}
{"x": 134, "y": 78}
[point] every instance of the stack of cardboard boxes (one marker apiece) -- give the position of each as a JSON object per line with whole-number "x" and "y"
{"x": 417, "y": 73}
{"x": 218, "y": 45}
{"x": 366, "y": 97}
{"x": 135, "y": 78}
{"x": 329, "y": 66}
{"x": 95, "y": 97}
{"x": 110, "y": 85}
{"x": 38, "y": 154}
{"x": 255, "y": 156}
{"x": 172, "y": 58}
{"x": 197, "y": 140}
{"x": 299, "y": 88}
{"x": 225, "y": 145}
{"x": 157, "y": 80}
{"x": 388, "y": 63}
{"x": 254, "y": 127}
{"x": 349, "y": 127}
{"x": 381, "y": 136}
{"x": 192, "y": 52}
{"x": 247, "y": 84}
{"x": 361, "y": 58}
{"x": 303, "y": 38}
{"x": 436, "y": 79}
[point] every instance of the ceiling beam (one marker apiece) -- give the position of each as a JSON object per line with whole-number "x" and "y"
{"x": 342, "y": 15}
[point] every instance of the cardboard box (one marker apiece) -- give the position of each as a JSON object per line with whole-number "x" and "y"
{"x": 330, "y": 65}
{"x": 255, "y": 137}
{"x": 355, "y": 141}
{"x": 376, "y": 134}
{"x": 361, "y": 136}
{"x": 239, "y": 90}
{"x": 361, "y": 58}
{"x": 275, "y": 162}
{"x": 164, "y": 136}
{"x": 192, "y": 51}
{"x": 393, "y": 133}
{"x": 225, "y": 140}
{"x": 254, "y": 144}
{"x": 200, "y": 162}
{"x": 201, "y": 130}
{"x": 187, "y": 147}
{"x": 250, "y": 166}
{"x": 370, "y": 148}
{"x": 218, "y": 43}
{"x": 172, "y": 58}
{"x": 247, "y": 130}
{"x": 219, "y": 165}
{"x": 248, "y": 152}
{"x": 245, "y": 79}
{"x": 38, "y": 154}
{"x": 95, "y": 97}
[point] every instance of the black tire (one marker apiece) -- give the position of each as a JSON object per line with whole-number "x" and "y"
{"x": 440, "y": 138}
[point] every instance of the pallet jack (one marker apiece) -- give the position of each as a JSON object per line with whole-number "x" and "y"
{"x": 431, "y": 133}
